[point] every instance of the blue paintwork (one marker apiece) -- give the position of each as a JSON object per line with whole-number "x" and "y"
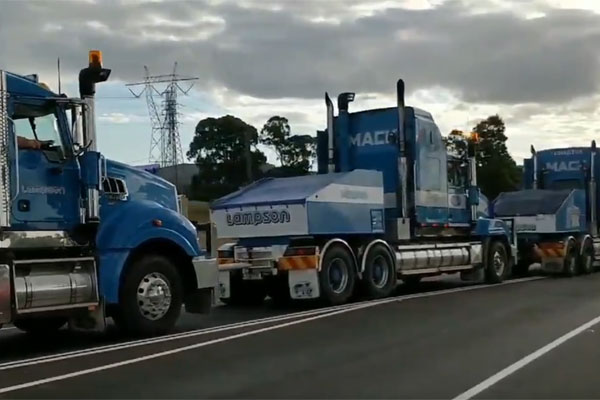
{"x": 560, "y": 168}
{"x": 560, "y": 171}
{"x": 335, "y": 218}
{"x": 91, "y": 163}
{"x": 46, "y": 185}
{"x": 485, "y": 227}
{"x": 368, "y": 140}
{"x": 54, "y": 190}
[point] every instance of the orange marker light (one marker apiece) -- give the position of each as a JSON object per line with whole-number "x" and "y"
{"x": 95, "y": 58}
{"x": 157, "y": 222}
{"x": 475, "y": 137}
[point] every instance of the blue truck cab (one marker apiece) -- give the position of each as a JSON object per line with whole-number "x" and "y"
{"x": 556, "y": 212}
{"x": 388, "y": 204}
{"x": 82, "y": 237}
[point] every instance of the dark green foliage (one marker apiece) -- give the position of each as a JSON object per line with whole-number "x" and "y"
{"x": 497, "y": 172}
{"x": 295, "y": 153}
{"x": 218, "y": 149}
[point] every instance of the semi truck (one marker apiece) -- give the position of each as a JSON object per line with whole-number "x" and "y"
{"x": 84, "y": 238}
{"x": 388, "y": 204}
{"x": 556, "y": 213}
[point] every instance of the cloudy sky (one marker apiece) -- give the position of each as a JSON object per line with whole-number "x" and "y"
{"x": 534, "y": 62}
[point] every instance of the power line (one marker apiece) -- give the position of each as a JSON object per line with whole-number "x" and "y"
{"x": 165, "y": 141}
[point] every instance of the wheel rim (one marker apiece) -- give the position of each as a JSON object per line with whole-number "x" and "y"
{"x": 381, "y": 272}
{"x": 338, "y": 275}
{"x": 154, "y": 296}
{"x": 498, "y": 263}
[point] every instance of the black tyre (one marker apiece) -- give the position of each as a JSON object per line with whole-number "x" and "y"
{"x": 379, "y": 276}
{"x": 150, "y": 298}
{"x": 497, "y": 263}
{"x": 411, "y": 281}
{"x": 39, "y": 326}
{"x": 337, "y": 277}
{"x": 245, "y": 293}
{"x": 570, "y": 260}
{"x": 585, "y": 262}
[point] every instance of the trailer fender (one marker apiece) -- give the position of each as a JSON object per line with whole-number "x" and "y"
{"x": 368, "y": 248}
{"x": 343, "y": 243}
{"x": 582, "y": 241}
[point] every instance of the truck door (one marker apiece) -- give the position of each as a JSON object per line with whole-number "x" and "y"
{"x": 47, "y": 191}
{"x": 458, "y": 210}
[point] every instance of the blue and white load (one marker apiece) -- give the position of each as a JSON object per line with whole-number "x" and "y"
{"x": 544, "y": 211}
{"x": 349, "y": 202}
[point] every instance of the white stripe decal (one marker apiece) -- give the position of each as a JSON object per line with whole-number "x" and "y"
{"x": 338, "y": 193}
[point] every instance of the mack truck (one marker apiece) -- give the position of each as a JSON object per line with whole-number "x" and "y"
{"x": 556, "y": 213}
{"x": 388, "y": 204}
{"x": 84, "y": 238}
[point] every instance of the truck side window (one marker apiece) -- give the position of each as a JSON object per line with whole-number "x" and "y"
{"x": 42, "y": 128}
{"x": 457, "y": 174}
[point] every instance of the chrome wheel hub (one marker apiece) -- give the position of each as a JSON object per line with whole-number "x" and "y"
{"x": 154, "y": 296}
{"x": 498, "y": 262}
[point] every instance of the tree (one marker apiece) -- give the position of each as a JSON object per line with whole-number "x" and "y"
{"x": 497, "y": 171}
{"x": 219, "y": 148}
{"x": 295, "y": 153}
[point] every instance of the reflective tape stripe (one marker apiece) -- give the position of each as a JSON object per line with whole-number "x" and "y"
{"x": 298, "y": 262}
{"x": 551, "y": 250}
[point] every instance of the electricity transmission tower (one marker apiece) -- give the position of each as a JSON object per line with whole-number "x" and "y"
{"x": 165, "y": 142}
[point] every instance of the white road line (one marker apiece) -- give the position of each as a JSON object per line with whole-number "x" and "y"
{"x": 182, "y": 349}
{"x": 145, "y": 342}
{"x": 353, "y": 307}
{"x": 511, "y": 369}
{"x": 223, "y": 328}
{"x": 205, "y": 331}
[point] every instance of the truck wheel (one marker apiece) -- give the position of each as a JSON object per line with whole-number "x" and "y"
{"x": 379, "y": 276}
{"x": 150, "y": 298}
{"x": 337, "y": 277}
{"x": 497, "y": 265}
{"x": 586, "y": 259}
{"x": 570, "y": 261}
{"x": 38, "y": 326}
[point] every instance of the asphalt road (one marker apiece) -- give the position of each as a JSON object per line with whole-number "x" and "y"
{"x": 523, "y": 339}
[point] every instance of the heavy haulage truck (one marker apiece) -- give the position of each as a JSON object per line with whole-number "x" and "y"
{"x": 388, "y": 203}
{"x": 83, "y": 237}
{"x": 556, "y": 214}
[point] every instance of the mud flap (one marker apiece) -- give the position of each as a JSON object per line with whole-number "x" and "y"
{"x": 304, "y": 284}
{"x": 92, "y": 319}
{"x": 224, "y": 284}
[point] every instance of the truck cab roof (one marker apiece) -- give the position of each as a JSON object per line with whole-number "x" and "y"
{"x": 27, "y": 86}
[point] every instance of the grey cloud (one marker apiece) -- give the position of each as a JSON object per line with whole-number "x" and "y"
{"x": 494, "y": 57}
